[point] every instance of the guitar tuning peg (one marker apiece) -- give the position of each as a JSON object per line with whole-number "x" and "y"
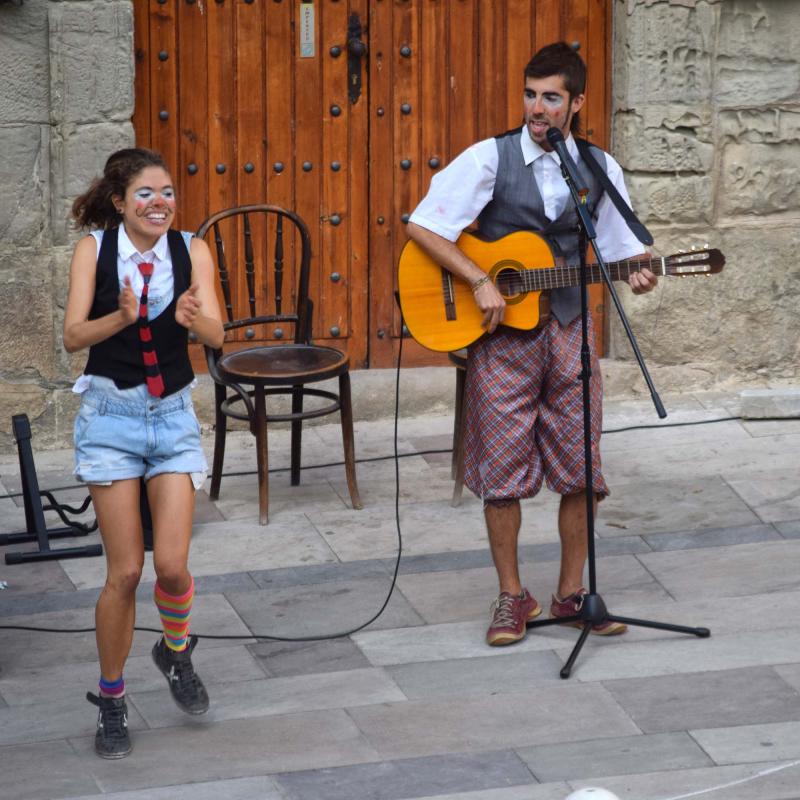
{"x": 706, "y": 245}
{"x": 694, "y": 248}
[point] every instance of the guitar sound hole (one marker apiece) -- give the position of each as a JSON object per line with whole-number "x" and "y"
{"x": 509, "y": 283}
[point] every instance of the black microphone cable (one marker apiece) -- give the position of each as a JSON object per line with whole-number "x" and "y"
{"x": 272, "y": 637}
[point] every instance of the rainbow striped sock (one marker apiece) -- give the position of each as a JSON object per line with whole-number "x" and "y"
{"x": 175, "y": 611}
{"x": 112, "y": 688}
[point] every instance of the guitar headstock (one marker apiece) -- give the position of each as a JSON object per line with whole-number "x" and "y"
{"x": 705, "y": 261}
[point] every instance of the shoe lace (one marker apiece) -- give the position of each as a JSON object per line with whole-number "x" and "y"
{"x": 503, "y": 610}
{"x": 114, "y": 720}
{"x": 184, "y": 675}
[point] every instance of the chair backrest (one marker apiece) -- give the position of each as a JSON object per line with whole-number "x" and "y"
{"x": 263, "y": 256}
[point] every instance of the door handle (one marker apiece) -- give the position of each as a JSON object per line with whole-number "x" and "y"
{"x": 356, "y": 50}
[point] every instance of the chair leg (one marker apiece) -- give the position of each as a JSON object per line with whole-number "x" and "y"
{"x": 297, "y": 434}
{"x": 346, "y": 412}
{"x": 459, "y": 410}
{"x": 262, "y": 456}
{"x": 220, "y": 429}
{"x": 458, "y": 441}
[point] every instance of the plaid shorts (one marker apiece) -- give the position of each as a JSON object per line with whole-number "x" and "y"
{"x": 524, "y": 413}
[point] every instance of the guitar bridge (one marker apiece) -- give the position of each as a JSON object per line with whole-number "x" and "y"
{"x": 449, "y": 296}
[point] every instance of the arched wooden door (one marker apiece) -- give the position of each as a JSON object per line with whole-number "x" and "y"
{"x": 343, "y": 110}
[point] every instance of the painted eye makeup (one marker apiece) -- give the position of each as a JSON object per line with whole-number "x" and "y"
{"x": 144, "y": 194}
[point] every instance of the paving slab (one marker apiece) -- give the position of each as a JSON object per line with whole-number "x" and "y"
{"x": 598, "y": 758}
{"x": 305, "y": 658}
{"x": 685, "y": 654}
{"x": 323, "y": 609}
{"x": 751, "y": 782}
{"x": 449, "y": 640}
{"x": 22, "y": 776}
{"x": 789, "y": 529}
{"x": 723, "y": 698}
{"x": 727, "y": 572}
{"x": 261, "y": 787}
{"x": 552, "y": 714}
{"x": 550, "y": 791}
{"x": 41, "y": 722}
{"x": 776, "y": 741}
{"x": 773, "y": 494}
{"x": 230, "y": 749}
{"x": 32, "y": 685}
{"x": 268, "y": 696}
{"x": 712, "y": 537}
{"x": 645, "y": 507}
{"x": 475, "y": 676}
{"x": 415, "y": 777}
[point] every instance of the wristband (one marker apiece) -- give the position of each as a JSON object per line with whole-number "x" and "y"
{"x": 478, "y": 283}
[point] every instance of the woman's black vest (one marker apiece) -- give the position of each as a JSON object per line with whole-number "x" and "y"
{"x": 120, "y": 356}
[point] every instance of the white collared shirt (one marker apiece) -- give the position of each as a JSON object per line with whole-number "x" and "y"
{"x": 459, "y": 193}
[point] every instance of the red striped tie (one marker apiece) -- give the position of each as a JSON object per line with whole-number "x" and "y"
{"x": 155, "y": 383}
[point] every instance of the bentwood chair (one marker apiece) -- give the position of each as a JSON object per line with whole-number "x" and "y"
{"x": 269, "y": 306}
{"x": 458, "y": 358}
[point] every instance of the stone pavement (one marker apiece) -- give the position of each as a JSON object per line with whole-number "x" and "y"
{"x": 702, "y": 528}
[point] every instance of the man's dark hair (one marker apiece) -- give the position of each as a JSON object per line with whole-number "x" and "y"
{"x": 560, "y": 59}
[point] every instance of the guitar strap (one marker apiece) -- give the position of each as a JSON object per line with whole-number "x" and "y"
{"x": 639, "y": 230}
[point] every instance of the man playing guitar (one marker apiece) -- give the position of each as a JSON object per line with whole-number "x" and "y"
{"x": 523, "y": 407}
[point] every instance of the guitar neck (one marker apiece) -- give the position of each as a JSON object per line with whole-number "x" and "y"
{"x": 537, "y": 280}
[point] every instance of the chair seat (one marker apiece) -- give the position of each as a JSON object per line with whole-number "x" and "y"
{"x": 289, "y": 363}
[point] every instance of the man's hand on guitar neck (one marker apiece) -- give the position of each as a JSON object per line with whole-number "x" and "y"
{"x": 642, "y": 281}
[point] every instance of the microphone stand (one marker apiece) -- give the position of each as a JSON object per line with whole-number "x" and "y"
{"x": 593, "y": 610}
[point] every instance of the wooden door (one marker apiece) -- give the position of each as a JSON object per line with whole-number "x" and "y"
{"x": 445, "y": 74}
{"x": 251, "y": 101}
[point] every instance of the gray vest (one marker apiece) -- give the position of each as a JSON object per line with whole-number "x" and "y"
{"x": 517, "y": 204}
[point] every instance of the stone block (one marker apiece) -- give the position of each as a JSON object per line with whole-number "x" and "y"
{"x": 765, "y": 32}
{"x": 687, "y": 199}
{"x": 760, "y": 179}
{"x": 741, "y": 321}
{"x": 676, "y": 139}
{"x": 23, "y": 64}
{"x": 26, "y": 326}
{"x": 78, "y": 153}
{"x": 759, "y": 125}
{"x": 24, "y": 175}
{"x": 760, "y": 403}
{"x": 663, "y": 54}
{"x": 91, "y": 62}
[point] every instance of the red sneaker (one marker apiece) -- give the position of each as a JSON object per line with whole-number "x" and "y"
{"x": 510, "y": 613}
{"x": 571, "y": 605}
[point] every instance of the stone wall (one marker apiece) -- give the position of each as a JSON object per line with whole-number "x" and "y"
{"x": 66, "y": 99}
{"x": 706, "y": 121}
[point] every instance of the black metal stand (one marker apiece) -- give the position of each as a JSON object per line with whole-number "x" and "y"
{"x": 593, "y": 610}
{"x": 37, "y": 530}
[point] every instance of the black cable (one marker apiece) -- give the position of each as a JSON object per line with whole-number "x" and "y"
{"x": 448, "y": 449}
{"x": 320, "y": 637}
{"x": 397, "y": 456}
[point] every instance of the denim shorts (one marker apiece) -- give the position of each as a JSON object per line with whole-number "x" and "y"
{"x": 127, "y": 433}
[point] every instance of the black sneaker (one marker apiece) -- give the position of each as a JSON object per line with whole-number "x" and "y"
{"x": 186, "y": 687}
{"x": 112, "y": 739}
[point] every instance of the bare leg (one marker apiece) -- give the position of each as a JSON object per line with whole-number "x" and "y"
{"x": 171, "y": 498}
{"x": 574, "y": 545}
{"x": 117, "y": 510}
{"x": 503, "y": 519}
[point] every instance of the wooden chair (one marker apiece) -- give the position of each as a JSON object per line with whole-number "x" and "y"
{"x": 244, "y": 375}
{"x": 459, "y": 360}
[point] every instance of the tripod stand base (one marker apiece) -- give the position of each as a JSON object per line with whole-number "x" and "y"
{"x": 592, "y": 612}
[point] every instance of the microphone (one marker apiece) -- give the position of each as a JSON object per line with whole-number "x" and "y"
{"x": 557, "y": 142}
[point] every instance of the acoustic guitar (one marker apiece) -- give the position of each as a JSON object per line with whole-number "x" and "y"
{"x": 441, "y": 313}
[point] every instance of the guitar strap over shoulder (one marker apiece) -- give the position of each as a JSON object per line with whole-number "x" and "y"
{"x": 639, "y": 230}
